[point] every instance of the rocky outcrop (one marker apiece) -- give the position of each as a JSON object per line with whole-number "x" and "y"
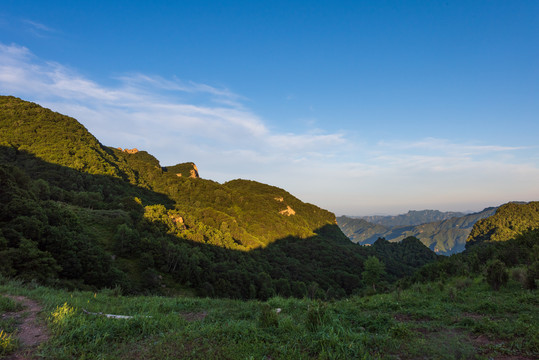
{"x": 177, "y": 219}
{"x": 288, "y": 211}
{"x": 129, "y": 151}
{"x": 194, "y": 172}
{"x": 188, "y": 170}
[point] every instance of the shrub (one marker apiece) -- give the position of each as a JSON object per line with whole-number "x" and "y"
{"x": 463, "y": 283}
{"x": 452, "y": 293}
{"x": 61, "y": 314}
{"x": 519, "y": 275}
{"x": 532, "y": 276}
{"x": 496, "y": 274}
{"x": 7, "y": 343}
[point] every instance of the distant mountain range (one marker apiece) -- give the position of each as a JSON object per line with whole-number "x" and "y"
{"x": 412, "y": 217}
{"x": 443, "y": 232}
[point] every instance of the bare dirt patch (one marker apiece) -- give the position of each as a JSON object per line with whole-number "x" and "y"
{"x": 194, "y": 316}
{"x": 403, "y": 317}
{"x": 410, "y": 318}
{"x": 31, "y": 332}
{"x": 487, "y": 347}
{"x": 461, "y": 343}
{"x": 472, "y": 315}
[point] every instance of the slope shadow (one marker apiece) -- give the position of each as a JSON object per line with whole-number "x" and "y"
{"x": 326, "y": 265}
{"x": 69, "y": 179}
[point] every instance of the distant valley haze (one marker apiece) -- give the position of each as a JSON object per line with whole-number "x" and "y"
{"x": 360, "y": 108}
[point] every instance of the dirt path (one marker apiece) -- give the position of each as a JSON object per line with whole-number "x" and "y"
{"x": 31, "y": 332}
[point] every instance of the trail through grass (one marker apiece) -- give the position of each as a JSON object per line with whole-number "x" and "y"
{"x": 431, "y": 321}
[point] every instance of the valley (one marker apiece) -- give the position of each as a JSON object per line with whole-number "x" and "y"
{"x": 240, "y": 270}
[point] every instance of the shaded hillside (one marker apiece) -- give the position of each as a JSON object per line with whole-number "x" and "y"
{"x": 449, "y": 309}
{"x": 412, "y": 217}
{"x": 444, "y": 237}
{"x": 510, "y": 220}
{"x": 77, "y": 214}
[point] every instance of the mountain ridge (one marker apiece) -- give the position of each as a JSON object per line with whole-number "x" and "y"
{"x": 509, "y": 221}
{"x": 445, "y": 237}
{"x": 412, "y": 217}
{"x": 79, "y": 214}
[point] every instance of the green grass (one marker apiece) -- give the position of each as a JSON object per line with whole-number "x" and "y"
{"x": 461, "y": 319}
{"x": 8, "y": 305}
{"x": 8, "y": 325}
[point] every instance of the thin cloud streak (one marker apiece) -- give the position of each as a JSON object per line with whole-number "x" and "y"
{"x": 444, "y": 145}
{"x": 38, "y": 29}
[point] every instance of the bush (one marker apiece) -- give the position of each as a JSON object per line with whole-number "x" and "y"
{"x": 463, "y": 283}
{"x": 532, "y": 276}
{"x": 519, "y": 275}
{"x": 7, "y": 343}
{"x": 497, "y": 275}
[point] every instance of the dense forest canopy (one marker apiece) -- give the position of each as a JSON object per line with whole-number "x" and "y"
{"x": 78, "y": 214}
{"x": 510, "y": 220}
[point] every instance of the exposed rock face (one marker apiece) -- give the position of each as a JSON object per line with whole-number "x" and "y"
{"x": 176, "y": 219}
{"x": 194, "y": 172}
{"x": 184, "y": 170}
{"x": 288, "y": 211}
{"x": 279, "y": 199}
{"x": 129, "y": 151}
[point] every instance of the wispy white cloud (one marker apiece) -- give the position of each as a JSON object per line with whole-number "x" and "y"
{"x": 444, "y": 145}
{"x": 38, "y": 29}
{"x": 306, "y": 141}
{"x": 180, "y": 121}
{"x": 166, "y": 110}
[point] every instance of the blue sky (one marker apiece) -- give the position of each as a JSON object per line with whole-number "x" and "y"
{"x": 359, "y": 107}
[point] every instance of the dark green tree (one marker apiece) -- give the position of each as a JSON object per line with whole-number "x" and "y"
{"x": 374, "y": 269}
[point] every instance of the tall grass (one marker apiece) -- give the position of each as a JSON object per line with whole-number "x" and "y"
{"x": 427, "y": 320}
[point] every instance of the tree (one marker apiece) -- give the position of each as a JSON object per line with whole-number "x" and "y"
{"x": 374, "y": 269}
{"x": 496, "y": 274}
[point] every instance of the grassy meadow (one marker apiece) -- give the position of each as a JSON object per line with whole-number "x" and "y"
{"x": 462, "y": 318}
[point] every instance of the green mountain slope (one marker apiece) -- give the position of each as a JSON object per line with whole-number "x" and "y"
{"x": 510, "y": 220}
{"x": 444, "y": 237}
{"x": 61, "y": 140}
{"x": 77, "y": 214}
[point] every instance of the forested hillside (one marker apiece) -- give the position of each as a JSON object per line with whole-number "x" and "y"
{"x": 509, "y": 221}
{"x": 445, "y": 237}
{"x": 77, "y": 214}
